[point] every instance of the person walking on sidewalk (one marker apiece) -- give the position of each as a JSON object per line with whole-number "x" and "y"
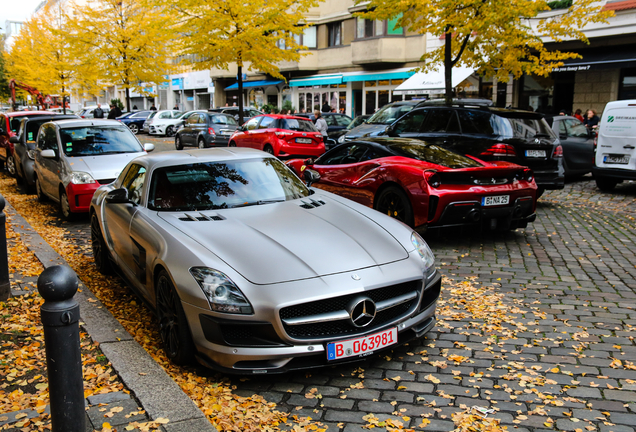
{"x": 321, "y": 124}
{"x": 98, "y": 112}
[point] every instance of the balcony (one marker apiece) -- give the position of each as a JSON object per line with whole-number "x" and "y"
{"x": 379, "y": 50}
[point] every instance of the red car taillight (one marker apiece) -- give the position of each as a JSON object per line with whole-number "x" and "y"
{"x": 432, "y": 178}
{"x": 500, "y": 150}
{"x": 211, "y": 131}
{"x": 558, "y": 152}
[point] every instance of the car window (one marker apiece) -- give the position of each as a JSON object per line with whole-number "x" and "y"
{"x": 437, "y": 120}
{"x": 47, "y": 139}
{"x": 331, "y": 120}
{"x": 520, "y": 127}
{"x": 298, "y": 125}
{"x": 134, "y": 182}
{"x": 475, "y": 122}
{"x": 254, "y": 113}
{"x": 221, "y": 185}
{"x": 389, "y": 113}
{"x": 342, "y": 120}
{"x": 98, "y": 140}
{"x": 252, "y": 123}
{"x": 139, "y": 115}
{"x": 562, "y": 130}
{"x": 347, "y": 154}
{"x": 32, "y": 128}
{"x": 152, "y": 114}
{"x": 194, "y": 118}
{"x": 410, "y": 123}
{"x": 453, "y": 124}
{"x": 3, "y": 122}
{"x": 576, "y": 128}
{"x": 433, "y": 154}
{"x": 203, "y": 119}
{"x": 374, "y": 153}
{"x": 165, "y": 115}
{"x": 15, "y": 124}
{"x": 266, "y": 122}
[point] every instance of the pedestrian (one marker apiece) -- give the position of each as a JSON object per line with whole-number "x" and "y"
{"x": 134, "y": 107}
{"x": 283, "y": 111}
{"x": 326, "y": 107}
{"x": 153, "y": 107}
{"x": 114, "y": 111}
{"x": 98, "y": 112}
{"x": 176, "y": 107}
{"x": 591, "y": 119}
{"x": 578, "y": 114}
{"x": 321, "y": 124}
{"x": 563, "y": 112}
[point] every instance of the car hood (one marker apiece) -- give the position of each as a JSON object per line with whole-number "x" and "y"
{"x": 281, "y": 242}
{"x": 102, "y": 167}
{"x": 365, "y": 130}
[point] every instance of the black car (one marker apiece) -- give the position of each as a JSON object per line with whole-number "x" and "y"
{"x": 24, "y": 145}
{"x": 378, "y": 122}
{"x": 578, "y": 145}
{"x": 248, "y": 113}
{"x": 488, "y": 133}
{"x": 206, "y": 129}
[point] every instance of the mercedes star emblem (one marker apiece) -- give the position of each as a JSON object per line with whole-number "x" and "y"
{"x": 537, "y": 141}
{"x": 362, "y": 311}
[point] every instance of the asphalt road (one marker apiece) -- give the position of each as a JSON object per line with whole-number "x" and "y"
{"x": 566, "y": 289}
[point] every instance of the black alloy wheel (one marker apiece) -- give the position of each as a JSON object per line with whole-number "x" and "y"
{"x": 173, "y": 325}
{"x": 169, "y": 131}
{"x": 101, "y": 255}
{"x": 393, "y": 202}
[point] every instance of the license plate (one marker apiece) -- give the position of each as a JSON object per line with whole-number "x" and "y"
{"x": 535, "y": 153}
{"x": 361, "y": 346}
{"x": 304, "y": 140}
{"x": 495, "y": 200}
{"x": 616, "y": 159}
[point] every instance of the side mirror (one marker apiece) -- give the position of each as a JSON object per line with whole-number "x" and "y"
{"x": 149, "y": 147}
{"x": 390, "y": 131}
{"x": 311, "y": 176}
{"x": 48, "y": 153}
{"x": 309, "y": 161}
{"x": 118, "y": 196}
{"x": 14, "y": 139}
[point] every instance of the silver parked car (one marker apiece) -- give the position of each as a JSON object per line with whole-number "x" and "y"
{"x": 251, "y": 271}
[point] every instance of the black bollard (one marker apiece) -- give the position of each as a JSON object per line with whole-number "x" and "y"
{"x": 60, "y": 318}
{"x": 5, "y": 285}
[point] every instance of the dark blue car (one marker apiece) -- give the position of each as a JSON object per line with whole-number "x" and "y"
{"x": 134, "y": 120}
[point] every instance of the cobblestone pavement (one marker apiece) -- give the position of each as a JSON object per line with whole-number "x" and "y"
{"x": 570, "y": 277}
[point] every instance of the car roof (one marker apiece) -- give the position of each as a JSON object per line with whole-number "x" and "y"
{"x": 86, "y": 122}
{"x": 52, "y": 117}
{"x": 193, "y": 156}
{"x": 26, "y": 113}
{"x": 283, "y": 116}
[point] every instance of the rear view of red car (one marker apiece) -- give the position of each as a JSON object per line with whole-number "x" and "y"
{"x": 9, "y": 125}
{"x": 281, "y": 135}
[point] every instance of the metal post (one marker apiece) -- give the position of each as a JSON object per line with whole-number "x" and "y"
{"x": 5, "y": 285}
{"x": 60, "y": 316}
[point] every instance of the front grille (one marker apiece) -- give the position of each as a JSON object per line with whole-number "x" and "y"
{"x": 345, "y": 327}
{"x": 106, "y": 181}
{"x": 430, "y": 295}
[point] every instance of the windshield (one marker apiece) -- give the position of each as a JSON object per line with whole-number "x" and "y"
{"x": 98, "y": 140}
{"x": 298, "y": 125}
{"x": 434, "y": 154}
{"x": 389, "y": 113}
{"x": 357, "y": 122}
{"x": 222, "y": 185}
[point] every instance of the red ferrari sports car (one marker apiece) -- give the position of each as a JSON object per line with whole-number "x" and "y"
{"x": 425, "y": 185}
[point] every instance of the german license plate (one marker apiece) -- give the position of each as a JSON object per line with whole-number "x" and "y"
{"x": 495, "y": 200}
{"x": 303, "y": 140}
{"x": 535, "y": 153}
{"x": 616, "y": 159}
{"x": 361, "y": 346}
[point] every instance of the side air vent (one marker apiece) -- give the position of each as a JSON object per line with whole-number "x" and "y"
{"x": 312, "y": 204}
{"x": 200, "y": 217}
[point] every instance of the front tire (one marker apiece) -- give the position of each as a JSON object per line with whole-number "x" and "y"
{"x": 173, "y": 325}
{"x": 10, "y": 166}
{"x": 133, "y": 128}
{"x": 169, "y": 131}
{"x": 101, "y": 255}
{"x": 178, "y": 144}
{"x": 604, "y": 184}
{"x": 65, "y": 207}
{"x": 232, "y": 144}
{"x": 201, "y": 143}
{"x": 393, "y": 202}
{"x": 269, "y": 149}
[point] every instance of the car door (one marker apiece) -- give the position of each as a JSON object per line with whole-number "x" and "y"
{"x": 578, "y": 147}
{"x": 264, "y": 133}
{"x": 441, "y": 127}
{"x": 187, "y": 132}
{"x": 47, "y": 169}
{"x": 249, "y": 139}
{"x": 117, "y": 218}
{"x": 409, "y": 126}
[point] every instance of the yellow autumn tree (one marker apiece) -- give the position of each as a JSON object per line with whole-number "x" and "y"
{"x": 128, "y": 42}
{"x": 497, "y": 37}
{"x": 257, "y": 33}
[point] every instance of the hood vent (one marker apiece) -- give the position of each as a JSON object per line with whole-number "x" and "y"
{"x": 312, "y": 204}
{"x": 201, "y": 217}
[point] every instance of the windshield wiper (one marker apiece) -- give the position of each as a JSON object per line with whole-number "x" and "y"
{"x": 259, "y": 202}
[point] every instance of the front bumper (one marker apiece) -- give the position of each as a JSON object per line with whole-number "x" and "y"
{"x": 614, "y": 173}
{"x": 157, "y": 130}
{"x": 80, "y": 195}
{"x": 257, "y": 347}
{"x": 512, "y": 216}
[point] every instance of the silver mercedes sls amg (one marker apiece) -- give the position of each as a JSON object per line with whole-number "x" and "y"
{"x": 250, "y": 271}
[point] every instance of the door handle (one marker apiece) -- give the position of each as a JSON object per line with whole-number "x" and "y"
{"x": 629, "y": 147}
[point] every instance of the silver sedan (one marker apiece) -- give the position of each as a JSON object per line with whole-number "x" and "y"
{"x": 252, "y": 272}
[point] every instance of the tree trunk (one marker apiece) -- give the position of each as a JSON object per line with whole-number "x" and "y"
{"x": 448, "y": 67}
{"x": 63, "y": 100}
{"x": 127, "y": 99}
{"x": 240, "y": 90}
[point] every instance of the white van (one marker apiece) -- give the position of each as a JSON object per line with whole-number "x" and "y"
{"x": 615, "y": 158}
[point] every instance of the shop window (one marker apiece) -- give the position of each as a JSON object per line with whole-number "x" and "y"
{"x": 370, "y": 102}
{"x": 335, "y": 33}
{"x": 383, "y": 98}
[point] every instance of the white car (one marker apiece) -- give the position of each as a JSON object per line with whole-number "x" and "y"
{"x": 615, "y": 158}
{"x": 88, "y": 111}
{"x": 156, "y": 123}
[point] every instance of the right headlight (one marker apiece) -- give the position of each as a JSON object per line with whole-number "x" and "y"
{"x": 422, "y": 248}
{"x": 221, "y": 292}
{"x": 341, "y": 139}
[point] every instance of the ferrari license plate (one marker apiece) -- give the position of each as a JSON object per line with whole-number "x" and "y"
{"x": 616, "y": 159}
{"x": 361, "y": 346}
{"x": 495, "y": 200}
{"x": 303, "y": 140}
{"x": 535, "y": 153}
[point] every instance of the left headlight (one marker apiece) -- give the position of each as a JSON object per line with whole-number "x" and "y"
{"x": 221, "y": 292}
{"x": 422, "y": 248}
{"x": 79, "y": 177}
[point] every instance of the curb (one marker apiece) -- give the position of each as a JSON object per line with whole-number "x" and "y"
{"x": 157, "y": 393}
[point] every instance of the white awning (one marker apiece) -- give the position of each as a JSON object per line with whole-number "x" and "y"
{"x": 431, "y": 82}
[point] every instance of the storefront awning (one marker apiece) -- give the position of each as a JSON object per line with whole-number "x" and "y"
{"x": 599, "y": 59}
{"x": 248, "y": 84}
{"x": 316, "y": 80}
{"x": 431, "y": 82}
{"x": 403, "y": 73}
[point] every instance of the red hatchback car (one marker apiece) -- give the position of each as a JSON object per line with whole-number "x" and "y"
{"x": 280, "y": 135}
{"x": 9, "y": 125}
{"x": 425, "y": 185}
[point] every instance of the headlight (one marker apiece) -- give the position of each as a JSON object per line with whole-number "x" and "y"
{"x": 221, "y": 292}
{"x": 79, "y": 177}
{"x": 422, "y": 248}
{"x": 341, "y": 139}
{"x": 31, "y": 154}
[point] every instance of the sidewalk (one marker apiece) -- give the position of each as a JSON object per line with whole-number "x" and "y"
{"x": 149, "y": 399}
